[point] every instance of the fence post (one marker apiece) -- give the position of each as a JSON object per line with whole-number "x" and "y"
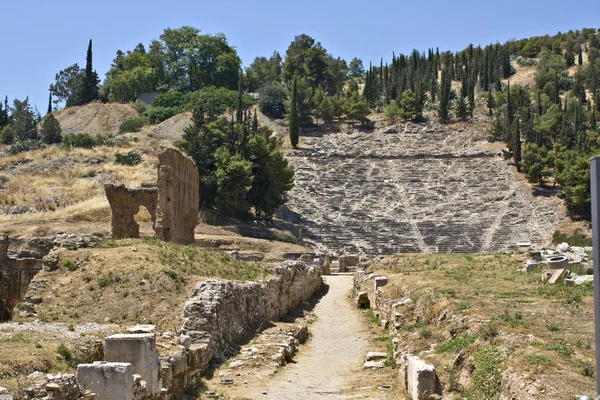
{"x": 594, "y": 187}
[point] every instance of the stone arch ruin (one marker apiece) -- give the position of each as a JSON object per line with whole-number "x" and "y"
{"x": 172, "y": 202}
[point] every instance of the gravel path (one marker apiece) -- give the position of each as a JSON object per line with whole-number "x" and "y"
{"x": 337, "y": 347}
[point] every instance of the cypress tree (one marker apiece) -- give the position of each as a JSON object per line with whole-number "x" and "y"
{"x": 238, "y": 113}
{"x": 445, "y": 96}
{"x": 255, "y": 122}
{"x": 294, "y": 125}
{"x": 580, "y": 58}
{"x": 556, "y": 89}
{"x": 491, "y": 103}
{"x": 90, "y": 84}
{"x": 516, "y": 145}
{"x": 49, "y": 104}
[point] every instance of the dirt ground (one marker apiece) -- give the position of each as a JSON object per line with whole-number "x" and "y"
{"x": 331, "y": 363}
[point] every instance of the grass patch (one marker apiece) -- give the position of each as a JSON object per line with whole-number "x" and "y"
{"x": 456, "y": 343}
{"x": 538, "y": 359}
{"x": 487, "y": 378}
{"x": 577, "y": 239}
{"x": 69, "y": 265}
{"x": 513, "y": 320}
{"x": 560, "y": 349}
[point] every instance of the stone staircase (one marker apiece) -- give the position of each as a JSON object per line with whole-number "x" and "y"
{"x": 421, "y": 190}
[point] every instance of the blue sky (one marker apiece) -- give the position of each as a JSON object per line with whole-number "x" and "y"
{"x": 40, "y": 37}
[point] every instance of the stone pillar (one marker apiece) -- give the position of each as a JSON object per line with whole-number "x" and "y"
{"x": 178, "y": 198}
{"x": 326, "y": 270}
{"x": 140, "y": 351}
{"x": 108, "y": 380}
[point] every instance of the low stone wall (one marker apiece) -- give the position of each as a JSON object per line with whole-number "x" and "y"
{"x": 224, "y": 313}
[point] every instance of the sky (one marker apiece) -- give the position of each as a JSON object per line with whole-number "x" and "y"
{"x": 41, "y": 37}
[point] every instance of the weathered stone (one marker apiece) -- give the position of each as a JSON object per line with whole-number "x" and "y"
{"x": 376, "y": 355}
{"x": 362, "y": 300}
{"x": 140, "y": 351}
{"x": 125, "y": 204}
{"x": 558, "y": 262}
{"x": 374, "y": 364}
{"x": 347, "y": 261}
{"x": 380, "y": 281}
{"x": 583, "y": 279}
{"x": 178, "y": 198}
{"x": 421, "y": 380}
{"x": 108, "y": 381}
{"x": 558, "y": 274}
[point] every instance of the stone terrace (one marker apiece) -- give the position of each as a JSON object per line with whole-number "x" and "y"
{"x": 423, "y": 189}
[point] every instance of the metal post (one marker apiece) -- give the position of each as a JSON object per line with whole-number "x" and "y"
{"x": 594, "y": 188}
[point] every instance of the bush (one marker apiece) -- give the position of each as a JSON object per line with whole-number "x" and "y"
{"x": 156, "y": 115}
{"x": 131, "y": 158}
{"x": 271, "y": 100}
{"x": 69, "y": 265}
{"x": 82, "y": 140}
{"x": 169, "y": 99}
{"x": 133, "y": 124}
{"x": 7, "y": 135}
{"x": 26, "y": 145}
{"x": 216, "y": 100}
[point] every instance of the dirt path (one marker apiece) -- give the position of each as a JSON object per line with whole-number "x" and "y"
{"x": 325, "y": 365}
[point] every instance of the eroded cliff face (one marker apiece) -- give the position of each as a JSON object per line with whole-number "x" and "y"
{"x": 414, "y": 188}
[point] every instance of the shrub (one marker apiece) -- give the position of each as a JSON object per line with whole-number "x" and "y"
{"x": 51, "y": 131}
{"x": 131, "y": 158}
{"x": 456, "y": 344}
{"x": 26, "y": 145}
{"x": 7, "y": 135}
{"x": 133, "y": 124}
{"x": 171, "y": 98}
{"x": 82, "y": 140}
{"x": 271, "y": 100}
{"x": 69, "y": 265}
{"x": 216, "y": 100}
{"x": 156, "y": 115}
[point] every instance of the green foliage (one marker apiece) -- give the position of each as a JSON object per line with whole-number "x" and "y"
{"x": 82, "y": 140}
{"x": 131, "y": 158}
{"x": 393, "y": 111}
{"x": 487, "y": 378}
{"x": 223, "y": 151}
{"x": 104, "y": 281}
{"x": 572, "y": 172}
{"x": 70, "y": 265}
{"x": 27, "y": 145}
{"x": 456, "y": 343}
{"x": 356, "y": 108}
{"x": 51, "y": 131}
{"x": 272, "y": 99}
{"x": 294, "y": 123}
{"x": 264, "y": 71}
{"x": 7, "y": 135}
{"x": 409, "y": 104}
{"x": 578, "y": 238}
{"x": 133, "y": 124}
{"x": 234, "y": 181}
{"x": 216, "y": 100}
{"x": 461, "y": 109}
{"x": 513, "y": 320}
{"x": 488, "y": 331}
{"x": 170, "y": 99}
{"x": 64, "y": 352}
{"x": 536, "y": 162}
{"x": 155, "y": 115}
{"x": 24, "y": 120}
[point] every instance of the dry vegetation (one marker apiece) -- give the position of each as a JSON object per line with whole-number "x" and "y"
{"x": 494, "y": 329}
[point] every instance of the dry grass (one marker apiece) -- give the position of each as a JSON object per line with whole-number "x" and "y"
{"x": 133, "y": 281}
{"x": 544, "y": 332}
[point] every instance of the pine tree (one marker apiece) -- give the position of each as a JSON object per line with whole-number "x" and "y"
{"x": 90, "y": 91}
{"x": 294, "y": 124}
{"x": 51, "y": 131}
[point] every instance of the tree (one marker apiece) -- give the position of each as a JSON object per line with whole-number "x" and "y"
{"x": 90, "y": 90}
{"x": 68, "y": 85}
{"x": 50, "y": 130}
{"x": 49, "y": 104}
{"x": 294, "y": 124}
{"x": 356, "y": 108}
{"x": 306, "y": 59}
{"x": 516, "y": 144}
{"x": 392, "y": 112}
{"x": 234, "y": 181}
{"x": 264, "y": 71}
{"x": 356, "y": 68}
{"x": 4, "y": 113}
{"x": 580, "y": 57}
{"x": 535, "y": 163}
{"x": 461, "y": 109}
{"x": 408, "y": 104}
{"x": 24, "y": 120}
{"x": 327, "y": 109}
{"x": 443, "y": 112}
{"x": 271, "y": 100}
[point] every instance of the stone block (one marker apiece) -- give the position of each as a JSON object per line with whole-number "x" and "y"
{"x": 140, "y": 351}
{"x": 108, "y": 380}
{"x": 348, "y": 261}
{"x": 421, "y": 381}
{"x": 558, "y": 274}
{"x": 558, "y": 262}
{"x": 380, "y": 281}
{"x": 376, "y": 355}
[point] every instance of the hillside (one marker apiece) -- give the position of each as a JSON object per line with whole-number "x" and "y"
{"x": 94, "y": 118}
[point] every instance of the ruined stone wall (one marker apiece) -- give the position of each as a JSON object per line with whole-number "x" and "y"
{"x": 178, "y": 198}
{"x": 226, "y": 312}
{"x": 125, "y": 204}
